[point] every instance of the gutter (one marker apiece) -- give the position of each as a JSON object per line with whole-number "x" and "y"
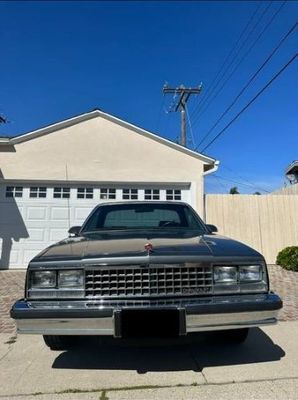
{"x": 4, "y": 140}
{"x": 209, "y": 171}
{"x": 213, "y": 169}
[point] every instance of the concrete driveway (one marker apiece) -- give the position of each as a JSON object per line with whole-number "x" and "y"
{"x": 266, "y": 366}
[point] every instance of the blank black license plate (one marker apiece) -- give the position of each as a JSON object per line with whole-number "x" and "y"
{"x": 150, "y": 323}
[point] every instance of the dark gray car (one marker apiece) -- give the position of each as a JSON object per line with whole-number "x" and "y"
{"x": 145, "y": 269}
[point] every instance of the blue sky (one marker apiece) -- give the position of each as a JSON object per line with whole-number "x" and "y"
{"x": 59, "y": 59}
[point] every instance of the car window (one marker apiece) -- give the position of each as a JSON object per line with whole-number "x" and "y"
{"x": 132, "y": 218}
{"x": 142, "y": 216}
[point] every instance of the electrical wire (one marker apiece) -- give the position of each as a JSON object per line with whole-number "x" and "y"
{"x": 252, "y": 100}
{"x": 252, "y": 78}
{"x": 227, "y": 57}
{"x": 220, "y": 183}
{"x": 245, "y": 179}
{"x": 190, "y": 127}
{"x": 160, "y": 113}
{"x": 208, "y": 100}
{"x": 238, "y": 183}
{"x": 203, "y": 110}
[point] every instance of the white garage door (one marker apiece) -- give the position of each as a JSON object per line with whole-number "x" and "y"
{"x": 33, "y": 217}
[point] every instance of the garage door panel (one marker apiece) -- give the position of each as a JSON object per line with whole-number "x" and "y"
{"x": 36, "y": 213}
{"x": 81, "y": 213}
{"x": 10, "y": 213}
{"x": 36, "y": 234}
{"x": 58, "y": 234}
{"x": 59, "y": 213}
{"x": 15, "y": 256}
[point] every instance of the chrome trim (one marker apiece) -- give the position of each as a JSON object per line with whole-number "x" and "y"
{"x": 105, "y": 304}
{"x": 106, "y": 325}
{"x": 98, "y": 318}
{"x": 67, "y": 326}
{"x": 200, "y": 323}
{"x": 146, "y": 259}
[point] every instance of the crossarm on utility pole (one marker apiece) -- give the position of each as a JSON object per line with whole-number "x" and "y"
{"x": 184, "y": 94}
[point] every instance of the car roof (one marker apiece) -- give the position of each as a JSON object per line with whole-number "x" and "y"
{"x": 131, "y": 202}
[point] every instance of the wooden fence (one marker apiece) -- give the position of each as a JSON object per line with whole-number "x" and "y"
{"x": 267, "y": 223}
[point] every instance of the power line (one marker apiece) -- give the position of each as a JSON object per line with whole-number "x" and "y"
{"x": 161, "y": 108}
{"x": 220, "y": 183}
{"x": 250, "y": 81}
{"x": 238, "y": 183}
{"x": 206, "y": 98}
{"x": 246, "y": 180}
{"x": 190, "y": 127}
{"x": 252, "y": 100}
{"x": 229, "y": 54}
{"x": 240, "y": 61}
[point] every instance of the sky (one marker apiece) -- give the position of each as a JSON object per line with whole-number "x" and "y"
{"x": 60, "y": 59}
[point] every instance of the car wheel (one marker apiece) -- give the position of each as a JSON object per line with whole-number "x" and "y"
{"x": 236, "y": 336}
{"x": 58, "y": 342}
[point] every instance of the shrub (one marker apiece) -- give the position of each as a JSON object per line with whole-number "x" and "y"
{"x": 288, "y": 258}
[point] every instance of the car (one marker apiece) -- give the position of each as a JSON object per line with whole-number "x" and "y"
{"x": 146, "y": 268}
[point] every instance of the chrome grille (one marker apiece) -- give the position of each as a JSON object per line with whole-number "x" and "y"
{"x": 155, "y": 280}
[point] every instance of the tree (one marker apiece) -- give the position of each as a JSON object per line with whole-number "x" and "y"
{"x": 234, "y": 190}
{"x": 258, "y": 193}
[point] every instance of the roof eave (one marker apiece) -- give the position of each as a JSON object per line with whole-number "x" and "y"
{"x": 98, "y": 113}
{"x": 293, "y": 166}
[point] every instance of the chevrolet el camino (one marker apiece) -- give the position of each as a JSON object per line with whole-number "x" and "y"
{"x": 145, "y": 269}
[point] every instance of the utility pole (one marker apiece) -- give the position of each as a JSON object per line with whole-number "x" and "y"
{"x": 184, "y": 94}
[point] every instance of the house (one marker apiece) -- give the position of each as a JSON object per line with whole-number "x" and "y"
{"x": 291, "y": 174}
{"x": 51, "y": 178}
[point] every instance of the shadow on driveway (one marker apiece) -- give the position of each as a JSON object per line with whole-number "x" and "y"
{"x": 191, "y": 353}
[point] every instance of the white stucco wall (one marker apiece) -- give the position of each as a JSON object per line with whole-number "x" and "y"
{"x": 97, "y": 150}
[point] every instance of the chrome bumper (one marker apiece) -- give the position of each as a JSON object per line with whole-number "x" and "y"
{"x": 90, "y": 318}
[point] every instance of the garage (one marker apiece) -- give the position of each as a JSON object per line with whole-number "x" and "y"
{"x": 52, "y": 178}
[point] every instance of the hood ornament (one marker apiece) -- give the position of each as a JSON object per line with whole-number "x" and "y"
{"x": 148, "y": 247}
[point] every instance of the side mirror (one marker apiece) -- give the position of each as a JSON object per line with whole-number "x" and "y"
{"x": 74, "y": 231}
{"x": 211, "y": 228}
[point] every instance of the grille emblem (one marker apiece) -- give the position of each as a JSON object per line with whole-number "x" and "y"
{"x": 148, "y": 247}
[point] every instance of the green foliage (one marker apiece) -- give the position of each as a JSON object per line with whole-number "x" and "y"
{"x": 288, "y": 258}
{"x": 234, "y": 190}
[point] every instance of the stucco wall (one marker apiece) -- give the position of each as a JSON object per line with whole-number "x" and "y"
{"x": 98, "y": 150}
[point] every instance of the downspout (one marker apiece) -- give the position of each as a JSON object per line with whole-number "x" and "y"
{"x": 209, "y": 171}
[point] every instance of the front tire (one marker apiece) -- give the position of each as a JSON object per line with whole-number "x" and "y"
{"x": 58, "y": 342}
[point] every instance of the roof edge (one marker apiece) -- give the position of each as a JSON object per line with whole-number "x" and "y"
{"x": 293, "y": 165}
{"x": 98, "y": 113}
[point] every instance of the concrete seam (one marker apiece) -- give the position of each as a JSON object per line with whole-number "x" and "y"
{"x": 151, "y": 387}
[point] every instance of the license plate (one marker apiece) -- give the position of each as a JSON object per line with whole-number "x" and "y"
{"x": 149, "y": 323}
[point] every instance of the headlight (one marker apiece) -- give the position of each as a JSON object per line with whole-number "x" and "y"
{"x": 70, "y": 279}
{"x": 43, "y": 279}
{"x": 249, "y": 273}
{"x": 55, "y": 284}
{"x": 225, "y": 274}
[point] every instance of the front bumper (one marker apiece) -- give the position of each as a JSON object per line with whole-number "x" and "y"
{"x": 100, "y": 318}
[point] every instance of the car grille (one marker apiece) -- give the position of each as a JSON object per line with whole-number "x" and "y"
{"x": 155, "y": 280}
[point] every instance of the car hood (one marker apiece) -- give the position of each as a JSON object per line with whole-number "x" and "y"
{"x": 189, "y": 245}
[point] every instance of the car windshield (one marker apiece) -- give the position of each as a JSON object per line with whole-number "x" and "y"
{"x": 143, "y": 216}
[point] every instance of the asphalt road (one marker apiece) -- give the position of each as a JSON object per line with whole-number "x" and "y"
{"x": 265, "y": 367}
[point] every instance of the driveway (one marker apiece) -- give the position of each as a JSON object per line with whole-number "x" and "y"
{"x": 193, "y": 368}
